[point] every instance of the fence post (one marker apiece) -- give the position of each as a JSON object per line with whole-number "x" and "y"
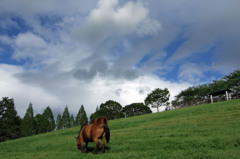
{"x": 227, "y": 95}
{"x": 211, "y": 99}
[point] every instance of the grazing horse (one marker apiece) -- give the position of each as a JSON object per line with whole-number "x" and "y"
{"x": 98, "y": 129}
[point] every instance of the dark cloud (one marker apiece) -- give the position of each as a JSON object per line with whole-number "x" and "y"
{"x": 118, "y": 92}
{"x": 101, "y": 68}
{"x": 144, "y": 90}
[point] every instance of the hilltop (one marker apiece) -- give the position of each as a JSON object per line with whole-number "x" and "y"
{"x": 204, "y": 131}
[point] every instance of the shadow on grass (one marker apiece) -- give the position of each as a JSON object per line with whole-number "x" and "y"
{"x": 90, "y": 149}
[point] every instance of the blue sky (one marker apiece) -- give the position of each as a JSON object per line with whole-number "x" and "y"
{"x": 86, "y": 52}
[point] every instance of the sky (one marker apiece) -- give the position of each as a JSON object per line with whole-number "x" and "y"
{"x": 57, "y": 53}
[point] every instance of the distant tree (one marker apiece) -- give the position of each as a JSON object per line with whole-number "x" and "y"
{"x": 188, "y": 96}
{"x": 48, "y": 115}
{"x": 41, "y": 124}
{"x": 203, "y": 93}
{"x": 111, "y": 110}
{"x": 136, "y": 109}
{"x": 96, "y": 114}
{"x": 59, "y": 122}
{"x": 28, "y": 123}
{"x": 10, "y": 121}
{"x": 233, "y": 82}
{"x": 157, "y": 98}
{"x": 72, "y": 121}
{"x": 66, "y": 118}
{"x": 218, "y": 85}
{"x": 81, "y": 117}
{"x": 200, "y": 94}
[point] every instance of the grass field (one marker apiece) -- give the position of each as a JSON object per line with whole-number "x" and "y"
{"x": 205, "y": 131}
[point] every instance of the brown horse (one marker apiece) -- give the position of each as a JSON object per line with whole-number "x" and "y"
{"x": 98, "y": 129}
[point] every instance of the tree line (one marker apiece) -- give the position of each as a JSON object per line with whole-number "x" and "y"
{"x": 12, "y": 126}
{"x": 113, "y": 110}
{"x": 201, "y": 94}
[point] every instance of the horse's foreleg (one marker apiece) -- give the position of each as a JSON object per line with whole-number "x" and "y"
{"x": 83, "y": 149}
{"x": 97, "y": 145}
{"x": 86, "y": 146}
{"x": 103, "y": 143}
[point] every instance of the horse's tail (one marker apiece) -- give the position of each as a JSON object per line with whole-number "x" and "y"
{"x": 106, "y": 129}
{"x": 103, "y": 123}
{"x": 107, "y": 133}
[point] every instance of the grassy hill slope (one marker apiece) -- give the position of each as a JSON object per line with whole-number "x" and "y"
{"x": 205, "y": 131}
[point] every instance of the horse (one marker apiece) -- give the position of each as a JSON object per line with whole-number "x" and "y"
{"x": 98, "y": 129}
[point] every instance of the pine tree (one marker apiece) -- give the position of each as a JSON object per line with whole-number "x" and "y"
{"x": 41, "y": 124}
{"x": 59, "y": 122}
{"x": 48, "y": 115}
{"x": 28, "y": 123}
{"x": 66, "y": 118}
{"x": 98, "y": 113}
{"x": 10, "y": 121}
{"x": 72, "y": 120}
{"x": 81, "y": 117}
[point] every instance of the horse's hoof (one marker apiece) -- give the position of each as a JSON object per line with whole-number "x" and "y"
{"x": 84, "y": 151}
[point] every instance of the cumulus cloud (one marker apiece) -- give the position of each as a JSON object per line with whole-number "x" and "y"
{"x": 57, "y": 90}
{"x": 6, "y": 40}
{"x": 31, "y": 46}
{"x": 22, "y": 93}
{"x": 110, "y": 20}
{"x": 191, "y": 72}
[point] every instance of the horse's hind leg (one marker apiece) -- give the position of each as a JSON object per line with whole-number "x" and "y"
{"x": 97, "y": 145}
{"x": 103, "y": 143}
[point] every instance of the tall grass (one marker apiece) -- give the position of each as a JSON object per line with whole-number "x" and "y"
{"x": 205, "y": 131}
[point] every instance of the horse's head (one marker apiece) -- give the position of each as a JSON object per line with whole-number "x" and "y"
{"x": 78, "y": 142}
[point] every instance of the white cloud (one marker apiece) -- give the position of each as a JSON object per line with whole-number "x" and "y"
{"x": 31, "y": 46}
{"x": 6, "y": 40}
{"x": 58, "y": 91}
{"x": 110, "y": 20}
{"x": 191, "y": 72}
{"x": 22, "y": 93}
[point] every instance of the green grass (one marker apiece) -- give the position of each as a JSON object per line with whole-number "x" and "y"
{"x": 205, "y": 131}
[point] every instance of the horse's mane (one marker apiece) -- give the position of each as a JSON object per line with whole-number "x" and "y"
{"x": 93, "y": 121}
